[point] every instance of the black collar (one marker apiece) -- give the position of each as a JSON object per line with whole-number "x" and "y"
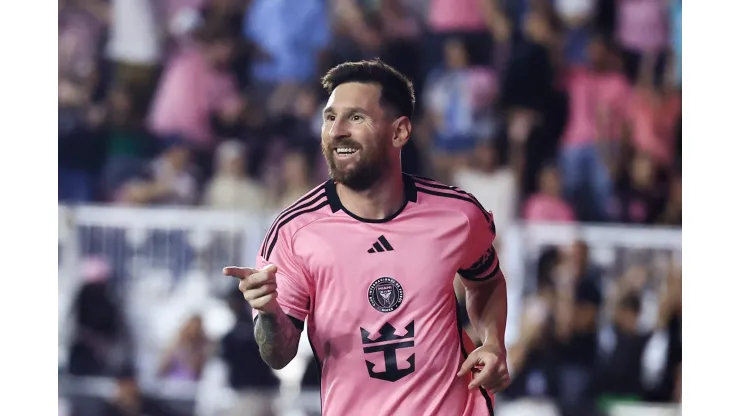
{"x": 409, "y": 188}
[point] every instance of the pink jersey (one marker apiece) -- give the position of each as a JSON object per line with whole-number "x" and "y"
{"x": 378, "y": 297}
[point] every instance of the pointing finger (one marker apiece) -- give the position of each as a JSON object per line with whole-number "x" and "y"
{"x": 239, "y": 272}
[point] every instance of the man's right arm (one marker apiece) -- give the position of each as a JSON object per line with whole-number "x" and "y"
{"x": 280, "y": 315}
{"x": 277, "y": 336}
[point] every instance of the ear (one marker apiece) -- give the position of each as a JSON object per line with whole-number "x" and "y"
{"x": 401, "y": 132}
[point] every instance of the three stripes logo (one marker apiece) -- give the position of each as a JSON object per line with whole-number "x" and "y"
{"x": 381, "y": 245}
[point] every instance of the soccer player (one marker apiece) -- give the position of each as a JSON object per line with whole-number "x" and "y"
{"x": 368, "y": 259}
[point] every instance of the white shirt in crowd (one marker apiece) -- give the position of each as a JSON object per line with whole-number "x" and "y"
{"x": 136, "y": 32}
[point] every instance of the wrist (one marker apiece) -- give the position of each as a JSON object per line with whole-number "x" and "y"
{"x": 495, "y": 344}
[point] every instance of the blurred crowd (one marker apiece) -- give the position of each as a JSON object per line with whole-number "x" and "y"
{"x": 546, "y": 110}
{"x": 593, "y": 336}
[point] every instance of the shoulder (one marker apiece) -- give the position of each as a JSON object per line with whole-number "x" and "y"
{"x": 307, "y": 209}
{"x": 451, "y": 198}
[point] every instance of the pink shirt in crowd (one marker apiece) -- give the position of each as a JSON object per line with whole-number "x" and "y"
{"x": 456, "y": 15}
{"x": 189, "y": 92}
{"x": 379, "y": 303}
{"x": 546, "y": 208}
{"x": 589, "y": 94}
{"x": 654, "y": 121}
{"x": 79, "y": 34}
{"x": 642, "y": 25}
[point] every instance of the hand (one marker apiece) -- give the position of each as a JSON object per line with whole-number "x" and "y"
{"x": 494, "y": 375}
{"x": 258, "y": 286}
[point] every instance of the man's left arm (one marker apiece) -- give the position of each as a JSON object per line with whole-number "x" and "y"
{"x": 486, "y": 302}
{"x": 485, "y": 298}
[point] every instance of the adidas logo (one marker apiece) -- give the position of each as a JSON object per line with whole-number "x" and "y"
{"x": 381, "y": 245}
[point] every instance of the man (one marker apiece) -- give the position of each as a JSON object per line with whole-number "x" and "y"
{"x": 369, "y": 258}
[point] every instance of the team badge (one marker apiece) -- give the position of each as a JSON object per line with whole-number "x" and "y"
{"x": 385, "y": 294}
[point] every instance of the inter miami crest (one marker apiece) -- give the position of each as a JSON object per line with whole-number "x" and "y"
{"x": 385, "y": 294}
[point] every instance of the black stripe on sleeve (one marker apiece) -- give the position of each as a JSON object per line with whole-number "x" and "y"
{"x": 292, "y": 208}
{"x": 280, "y": 221}
{"x": 459, "y": 194}
{"x": 296, "y": 214}
{"x": 489, "y": 276}
{"x": 481, "y": 266}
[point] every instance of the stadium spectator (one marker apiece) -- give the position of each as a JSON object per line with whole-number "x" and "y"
{"x": 598, "y": 95}
{"x": 664, "y": 372}
{"x": 639, "y": 198}
{"x": 532, "y": 357}
{"x": 576, "y": 16}
{"x": 289, "y": 57}
{"x": 168, "y": 180}
{"x": 642, "y": 30}
{"x": 295, "y": 179}
{"x": 195, "y": 87}
{"x": 654, "y": 115}
{"x": 548, "y": 205}
{"x": 100, "y": 335}
{"x": 248, "y": 375}
{"x": 529, "y": 95}
{"x": 136, "y": 46}
{"x": 619, "y": 373}
{"x": 578, "y": 298}
{"x": 476, "y": 22}
{"x": 458, "y": 101}
{"x": 492, "y": 182}
{"x": 185, "y": 358}
{"x": 129, "y": 145}
{"x": 231, "y": 188}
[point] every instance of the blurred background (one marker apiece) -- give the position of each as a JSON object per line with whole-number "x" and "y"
{"x": 185, "y": 126}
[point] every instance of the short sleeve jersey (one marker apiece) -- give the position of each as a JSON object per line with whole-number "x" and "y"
{"x": 378, "y": 300}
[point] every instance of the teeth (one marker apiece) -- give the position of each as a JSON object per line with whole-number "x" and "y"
{"x": 345, "y": 150}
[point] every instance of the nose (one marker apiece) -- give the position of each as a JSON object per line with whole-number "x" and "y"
{"x": 338, "y": 130}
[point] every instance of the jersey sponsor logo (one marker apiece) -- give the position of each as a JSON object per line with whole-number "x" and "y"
{"x": 385, "y": 294}
{"x": 390, "y": 343}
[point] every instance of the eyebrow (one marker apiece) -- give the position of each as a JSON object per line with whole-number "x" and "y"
{"x": 328, "y": 110}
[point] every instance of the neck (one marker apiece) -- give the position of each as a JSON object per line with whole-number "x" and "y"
{"x": 380, "y": 201}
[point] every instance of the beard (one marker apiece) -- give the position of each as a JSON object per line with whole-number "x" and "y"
{"x": 361, "y": 175}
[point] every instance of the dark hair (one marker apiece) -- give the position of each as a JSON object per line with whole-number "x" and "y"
{"x": 396, "y": 90}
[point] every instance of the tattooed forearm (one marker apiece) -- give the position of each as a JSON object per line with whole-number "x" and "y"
{"x": 277, "y": 338}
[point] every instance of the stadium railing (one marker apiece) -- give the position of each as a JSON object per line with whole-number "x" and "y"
{"x": 167, "y": 262}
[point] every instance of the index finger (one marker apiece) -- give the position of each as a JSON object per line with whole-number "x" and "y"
{"x": 239, "y": 272}
{"x": 468, "y": 365}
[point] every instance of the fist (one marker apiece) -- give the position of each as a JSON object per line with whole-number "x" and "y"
{"x": 259, "y": 287}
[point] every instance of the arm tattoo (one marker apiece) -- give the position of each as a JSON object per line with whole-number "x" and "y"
{"x": 277, "y": 338}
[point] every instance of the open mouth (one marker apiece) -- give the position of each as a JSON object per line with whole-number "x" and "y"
{"x": 345, "y": 151}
